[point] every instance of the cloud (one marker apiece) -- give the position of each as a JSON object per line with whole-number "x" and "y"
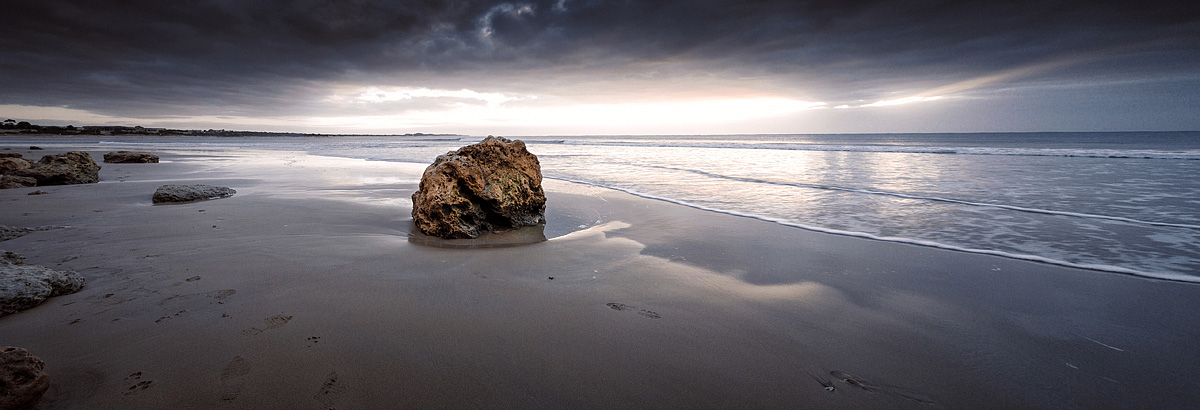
{"x": 282, "y": 59}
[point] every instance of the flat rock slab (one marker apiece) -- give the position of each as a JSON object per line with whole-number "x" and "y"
{"x": 11, "y": 232}
{"x": 190, "y": 193}
{"x": 25, "y": 286}
{"x": 130, "y": 157}
{"x": 22, "y": 381}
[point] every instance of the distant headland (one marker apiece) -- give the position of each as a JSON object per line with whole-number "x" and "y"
{"x": 11, "y": 126}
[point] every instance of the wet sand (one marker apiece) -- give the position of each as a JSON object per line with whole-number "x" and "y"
{"x": 304, "y": 291}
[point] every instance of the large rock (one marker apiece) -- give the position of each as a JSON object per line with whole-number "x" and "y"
{"x": 22, "y": 381}
{"x": 189, "y": 193}
{"x": 25, "y": 286}
{"x": 13, "y": 181}
{"x": 74, "y": 167}
{"x": 130, "y": 157}
{"x": 494, "y": 185}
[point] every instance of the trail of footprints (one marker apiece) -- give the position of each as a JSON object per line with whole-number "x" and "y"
{"x": 233, "y": 380}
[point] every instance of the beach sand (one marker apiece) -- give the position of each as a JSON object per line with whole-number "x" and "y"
{"x": 302, "y": 291}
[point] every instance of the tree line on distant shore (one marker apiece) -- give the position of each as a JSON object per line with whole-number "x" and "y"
{"x": 24, "y": 127}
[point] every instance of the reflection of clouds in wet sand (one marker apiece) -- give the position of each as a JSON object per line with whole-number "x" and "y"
{"x": 810, "y": 312}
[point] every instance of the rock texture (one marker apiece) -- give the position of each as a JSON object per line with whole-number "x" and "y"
{"x": 22, "y": 381}
{"x": 13, "y": 181}
{"x": 130, "y": 157}
{"x": 25, "y": 286}
{"x": 494, "y": 185}
{"x": 11, "y": 163}
{"x": 74, "y": 167}
{"x": 188, "y": 193}
{"x": 10, "y": 232}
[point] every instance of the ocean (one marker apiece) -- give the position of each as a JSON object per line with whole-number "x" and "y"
{"x": 1114, "y": 203}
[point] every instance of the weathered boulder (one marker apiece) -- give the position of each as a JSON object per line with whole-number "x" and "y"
{"x": 22, "y": 381}
{"x": 13, "y": 181}
{"x": 188, "y": 193}
{"x": 494, "y": 185}
{"x": 9, "y": 164}
{"x": 130, "y": 157}
{"x": 25, "y": 286}
{"x": 75, "y": 167}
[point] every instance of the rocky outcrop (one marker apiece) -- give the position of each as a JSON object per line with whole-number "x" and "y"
{"x": 22, "y": 381}
{"x": 130, "y": 157}
{"x": 74, "y": 167}
{"x": 25, "y": 286}
{"x": 494, "y": 185}
{"x": 189, "y": 193}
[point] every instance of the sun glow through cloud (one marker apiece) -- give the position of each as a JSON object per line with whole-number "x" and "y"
{"x": 901, "y": 101}
{"x": 384, "y": 94}
{"x": 700, "y": 111}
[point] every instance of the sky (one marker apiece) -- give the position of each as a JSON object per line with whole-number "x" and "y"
{"x": 572, "y": 67}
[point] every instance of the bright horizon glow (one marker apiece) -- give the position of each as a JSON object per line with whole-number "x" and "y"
{"x": 375, "y": 94}
{"x": 901, "y": 101}
{"x": 687, "y": 112}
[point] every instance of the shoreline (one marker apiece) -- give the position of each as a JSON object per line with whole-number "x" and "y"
{"x": 309, "y": 295}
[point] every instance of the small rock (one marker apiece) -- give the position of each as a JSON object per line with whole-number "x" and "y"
{"x": 35, "y": 148}
{"x": 22, "y": 381}
{"x": 25, "y": 286}
{"x": 12, "y": 258}
{"x": 189, "y": 193}
{"x": 130, "y": 157}
{"x": 38, "y": 192}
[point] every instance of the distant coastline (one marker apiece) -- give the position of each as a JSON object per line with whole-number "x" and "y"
{"x": 24, "y": 127}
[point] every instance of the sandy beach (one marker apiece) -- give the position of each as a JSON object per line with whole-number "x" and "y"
{"x": 304, "y": 291}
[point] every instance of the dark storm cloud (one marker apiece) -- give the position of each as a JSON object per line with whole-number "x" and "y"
{"x": 272, "y": 57}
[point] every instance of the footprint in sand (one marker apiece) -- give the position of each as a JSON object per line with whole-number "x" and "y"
{"x": 642, "y": 312}
{"x": 137, "y": 384}
{"x": 879, "y": 388}
{"x": 169, "y": 317}
{"x": 331, "y": 390}
{"x": 824, "y": 381}
{"x": 268, "y": 324}
{"x": 233, "y": 378}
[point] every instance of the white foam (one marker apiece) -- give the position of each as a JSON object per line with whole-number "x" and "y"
{"x": 938, "y": 199}
{"x": 1171, "y": 276}
{"x": 1190, "y": 154}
